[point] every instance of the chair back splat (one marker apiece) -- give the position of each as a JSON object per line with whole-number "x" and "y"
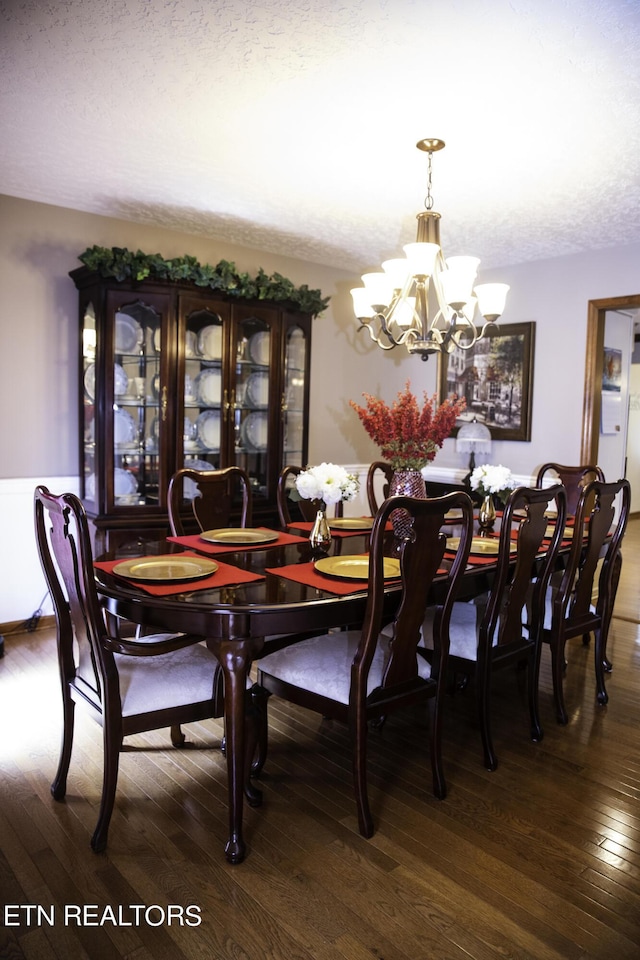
{"x": 572, "y": 478}
{"x": 359, "y": 675}
{"x": 128, "y": 685}
{"x": 216, "y": 492}
{"x": 571, "y": 609}
{"x": 377, "y": 468}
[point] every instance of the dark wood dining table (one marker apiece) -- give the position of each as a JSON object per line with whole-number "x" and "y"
{"x": 253, "y": 595}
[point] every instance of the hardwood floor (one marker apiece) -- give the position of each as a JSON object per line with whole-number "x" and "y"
{"x": 539, "y": 860}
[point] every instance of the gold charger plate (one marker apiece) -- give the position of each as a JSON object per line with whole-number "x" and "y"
{"x": 165, "y": 569}
{"x": 240, "y": 536}
{"x": 568, "y": 532}
{"x": 453, "y": 515}
{"x": 351, "y": 523}
{"x": 355, "y": 568}
{"x": 480, "y": 546}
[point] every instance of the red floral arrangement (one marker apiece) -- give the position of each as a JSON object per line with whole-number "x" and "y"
{"x": 409, "y": 437}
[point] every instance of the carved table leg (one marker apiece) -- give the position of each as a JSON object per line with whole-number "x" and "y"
{"x": 235, "y": 659}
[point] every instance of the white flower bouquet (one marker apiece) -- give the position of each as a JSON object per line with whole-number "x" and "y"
{"x": 326, "y": 483}
{"x": 490, "y": 480}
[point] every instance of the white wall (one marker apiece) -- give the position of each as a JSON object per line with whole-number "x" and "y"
{"x": 23, "y": 583}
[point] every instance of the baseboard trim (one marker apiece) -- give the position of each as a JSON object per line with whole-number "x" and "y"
{"x": 16, "y": 627}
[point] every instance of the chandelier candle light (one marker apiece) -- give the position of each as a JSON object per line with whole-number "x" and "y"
{"x": 394, "y": 305}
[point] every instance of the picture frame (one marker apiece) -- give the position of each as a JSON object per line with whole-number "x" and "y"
{"x": 495, "y": 376}
{"x": 612, "y": 370}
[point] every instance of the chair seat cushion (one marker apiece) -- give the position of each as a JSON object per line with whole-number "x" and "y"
{"x": 172, "y": 679}
{"x": 463, "y": 629}
{"x": 552, "y": 592}
{"x": 322, "y": 664}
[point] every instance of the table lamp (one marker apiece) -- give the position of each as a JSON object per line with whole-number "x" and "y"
{"x": 473, "y": 437}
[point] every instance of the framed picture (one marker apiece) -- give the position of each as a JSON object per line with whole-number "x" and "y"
{"x": 495, "y": 377}
{"x": 612, "y": 370}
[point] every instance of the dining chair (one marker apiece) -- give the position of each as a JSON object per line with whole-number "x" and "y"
{"x": 288, "y": 508}
{"x": 128, "y": 685}
{"x": 357, "y": 676}
{"x": 378, "y": 470}
{"x": 581, "y": 597}
{"x": 488, "y": 632}
{"x": 572, "y": 478}
{"x": 212, "y": 504}
{"x": 211, "y": 508}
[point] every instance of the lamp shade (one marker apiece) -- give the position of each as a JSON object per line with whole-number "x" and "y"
{"x": 362, "y": 302}
{"x": 491, "y": 298}
{"x": 404, "y": 312}
{"x": 473, "y": 437}
{"x": 421, "y": 257}
{"x": 379, "y": 287}
{"x": 398, "y": 271}
{"x": 458, "y": 278}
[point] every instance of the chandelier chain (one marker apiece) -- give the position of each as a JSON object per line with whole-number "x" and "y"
{"x": 428, "y": 200}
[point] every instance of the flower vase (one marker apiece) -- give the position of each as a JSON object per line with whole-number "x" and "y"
{"x": 487, "y": 514}
{"x": 320, "y": 536}
{"x": 405, "y": 483}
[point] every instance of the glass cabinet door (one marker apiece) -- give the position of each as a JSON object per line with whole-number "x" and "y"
{"x": 140, "y": 425}
{"x": 202, "y": 425}
{"x": 294, "y": 396}
{"x": 88, "y": 414}
{"x": 252, "y": 397}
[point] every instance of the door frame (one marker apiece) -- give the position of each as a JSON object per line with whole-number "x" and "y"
{"x": 592, "y": 404}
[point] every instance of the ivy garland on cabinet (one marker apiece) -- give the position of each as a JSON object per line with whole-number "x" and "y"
{"x": 122, "y": 264}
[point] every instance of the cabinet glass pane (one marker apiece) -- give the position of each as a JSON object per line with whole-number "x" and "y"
{"x": 139, "y": 405}
{"x": 252, "y": 399}
{"x": 89, "y": 393}
{"x": 294, "y": 392}
{"x": 202, "y": 438}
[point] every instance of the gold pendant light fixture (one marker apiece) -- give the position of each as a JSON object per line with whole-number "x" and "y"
{"x": 394, "y": 304}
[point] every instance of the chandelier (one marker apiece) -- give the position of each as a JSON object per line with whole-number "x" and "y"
{"x": 394, "y": 305}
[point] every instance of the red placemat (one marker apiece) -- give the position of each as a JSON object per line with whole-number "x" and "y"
{"x": 195, "y": 542}
{"x": 307, "y": 574}
{"x": 225, "y": 575}
{"x": 475, "y": 559}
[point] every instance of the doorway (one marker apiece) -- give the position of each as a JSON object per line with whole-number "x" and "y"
{"x": 592, "y": 407}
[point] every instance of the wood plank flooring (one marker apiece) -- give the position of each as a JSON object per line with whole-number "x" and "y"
{"x": 539, "y": 860}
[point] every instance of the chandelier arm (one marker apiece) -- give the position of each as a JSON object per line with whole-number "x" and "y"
{"x": 410, "y": 334}
{"x": 443, "y": 307}
{"x": 364, "y": 325}
{"x": 382, "y": 320}
{"x": 488, "y": 324}
{"x": 464, "y": 333}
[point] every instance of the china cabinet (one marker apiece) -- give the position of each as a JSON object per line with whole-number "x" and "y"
{"x": 173, "y": 375}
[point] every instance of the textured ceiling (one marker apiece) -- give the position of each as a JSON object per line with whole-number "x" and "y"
{"x": 290, "y": 125}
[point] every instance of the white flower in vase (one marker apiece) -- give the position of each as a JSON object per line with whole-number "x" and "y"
{"x": 326, "y": 483}
{"x": 490, "y": 480}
